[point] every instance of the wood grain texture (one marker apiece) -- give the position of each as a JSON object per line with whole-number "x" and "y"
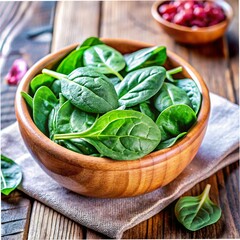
{"x": 75, "y": 22}
{"x": 233, "y": 49}
{"x": 15, "y": 215}
{"x": 48, "y": 224}
{"x": 19, "y": 19}
{"x": 132, "y": 20}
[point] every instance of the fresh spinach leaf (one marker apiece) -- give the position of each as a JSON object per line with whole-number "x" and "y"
{"x": 104, "y": 59}
{"x": 71, "y": 146}
{"x": 28, "y": 99}
{"x": 146, "y": 109}
{"x": 11, "y": 175}
{"x": 113, "y": 79}
{"x": 197, "y": 212}
{"x": 52, "y": 121}
{"x": 170, "y": 142}
{"x": 62, "y": 99}
{"x": 170, "y": 95}
{"x": 140, "y": 85}
{"x": 88, "y": 90}
{"x": 41, "y": 80}
{"x": 120, "y": 135}
{"x": 56, "y": 87}
{"x": 83, "y": 146}
{"x": 66, "y": 118}
{"x": 72, "y": 61}
{"x": 145, "y": 57}
{"x": 71, "y": 119}
{"x": 91, "y": 41}
{"x": 193, "y": 92}
{"x": 43, "y": 102}
{"x": 175, "y": 120}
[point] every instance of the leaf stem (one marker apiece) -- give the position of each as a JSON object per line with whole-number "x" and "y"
{"x": 118, "y": 75}
{"x": 204, "y": 195}
{"x": 66, "y": 136}
{"x": 175, "y": 70}
{"x": 53, "y": 74}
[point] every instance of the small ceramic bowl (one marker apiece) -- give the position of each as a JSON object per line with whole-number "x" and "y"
{"x": 103, "y": 177}
{"x": 194, "y": 36}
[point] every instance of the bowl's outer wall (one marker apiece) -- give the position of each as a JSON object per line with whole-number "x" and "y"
{"x": 101, "y": 177}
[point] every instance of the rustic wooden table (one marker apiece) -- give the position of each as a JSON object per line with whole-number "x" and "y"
{"x": 26, "y": 31}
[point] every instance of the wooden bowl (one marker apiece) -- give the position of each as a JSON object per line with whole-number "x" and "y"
{"x": 194, "y": 36}
{"x": 103, "y": 177}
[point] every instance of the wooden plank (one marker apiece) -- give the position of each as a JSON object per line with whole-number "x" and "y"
{"x": 132, "y": 20}
{"x": 90, "y": 234}
{"x": 15, "y": 212}
{"x": 75, "y": 22}
{"x": 15, "y": 43}
{"x": 233, "y": 48}
{"x": 10, "y": 10}
{"x": 48, "y": 224}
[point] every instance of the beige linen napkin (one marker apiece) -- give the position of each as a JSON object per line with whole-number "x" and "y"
{"x": 113, "y": 216}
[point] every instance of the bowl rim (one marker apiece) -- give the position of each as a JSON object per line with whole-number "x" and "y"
{"x": 225, "y": 6}
{"x": 99, "y": 163}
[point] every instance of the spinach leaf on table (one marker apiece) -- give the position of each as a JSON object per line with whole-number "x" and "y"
{"x": 146, "y": 57}
{"x": 170, "y": 95}
{"x": 88, "y": 90}
{"x": 120, "y": 135}
{"x": 72, "y": 61}
{"x": 91, "y": 41}
{"x": 140, "y": 85}
{"x": 197, "y": 212}
{"x": 44, "y": 101}
{"x": 192, "y": 90}
{"x": 175, "y": 120}
{"x": 104, "y": 59}
{"x": 11, "y": 175}
{"x": 41, "y": 80}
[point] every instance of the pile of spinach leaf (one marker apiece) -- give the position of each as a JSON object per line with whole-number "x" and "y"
{"x": 100, "y": 103}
